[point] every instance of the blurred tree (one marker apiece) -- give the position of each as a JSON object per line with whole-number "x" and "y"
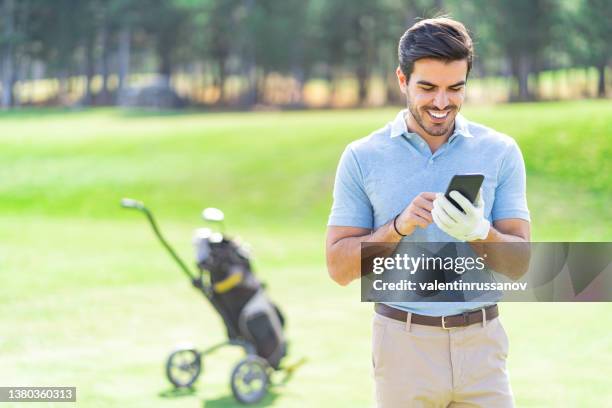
{"x": 250, "y": 39}
{"x": 54, "y": 31}
{"x": 279, "y": 39}
{"x": 353, "y": 33}
{"x": 488, "y": 54}
{"x": 168, "y": 23}
{"x": 594, "y": 24}
{"x": 8, "y": 58}
{"x": 522, "y": 30}
{"x": 127, "y": 19}
{"x": 215, "y": 38}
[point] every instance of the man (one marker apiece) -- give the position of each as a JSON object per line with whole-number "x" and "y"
{"x": 388, "y": 189}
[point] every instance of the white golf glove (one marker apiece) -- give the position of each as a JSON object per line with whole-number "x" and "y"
{"x": 467, "y": 226}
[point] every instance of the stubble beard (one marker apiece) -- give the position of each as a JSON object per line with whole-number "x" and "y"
{"x": 433, "y": 130}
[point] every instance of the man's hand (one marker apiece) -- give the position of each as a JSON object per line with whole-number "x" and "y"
{"x": 464, "y": 226}
{"x": 417, "y": 214}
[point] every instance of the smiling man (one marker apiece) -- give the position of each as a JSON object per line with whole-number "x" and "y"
{"x": 388, "y": 189}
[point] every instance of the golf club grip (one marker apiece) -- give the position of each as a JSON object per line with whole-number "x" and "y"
{"x": 131, "y": 203}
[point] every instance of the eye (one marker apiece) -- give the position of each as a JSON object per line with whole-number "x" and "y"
{"x": 456, "y": 88}
{"x": 426, "y": 88}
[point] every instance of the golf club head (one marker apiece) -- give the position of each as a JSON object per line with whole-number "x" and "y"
{"x": 213, "y": 214}
{"x": 131, "y": 203}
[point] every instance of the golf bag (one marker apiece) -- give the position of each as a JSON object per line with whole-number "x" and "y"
{"x": 239, "y": 296}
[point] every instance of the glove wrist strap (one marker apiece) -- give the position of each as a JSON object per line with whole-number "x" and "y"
{"x": 481, "y": 232}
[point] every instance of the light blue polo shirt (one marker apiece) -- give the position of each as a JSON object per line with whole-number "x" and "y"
{"x": 379, "y": 175}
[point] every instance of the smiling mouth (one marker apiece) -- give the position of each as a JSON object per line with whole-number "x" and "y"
{"x": 438, "y": 117}
{"x": 438, "y": 114}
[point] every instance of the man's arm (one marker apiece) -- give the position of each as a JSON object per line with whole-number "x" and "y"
{"x": 511, "y": 260}
{"x": 511, "y": 226}
{"x": 343, "y": 244}
{"x": 343, "y": 249}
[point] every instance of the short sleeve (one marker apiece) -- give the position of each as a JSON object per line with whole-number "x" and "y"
{"x": 510, "y": 193}
{"x": 351, "y": 207}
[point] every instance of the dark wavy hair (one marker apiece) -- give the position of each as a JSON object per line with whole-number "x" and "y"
{"x": 440, "y": 37}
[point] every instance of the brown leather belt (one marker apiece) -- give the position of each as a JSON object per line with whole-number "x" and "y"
{"x": 446, "y": 322}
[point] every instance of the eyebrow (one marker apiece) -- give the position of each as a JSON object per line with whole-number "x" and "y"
{"x": 426, "y": 83}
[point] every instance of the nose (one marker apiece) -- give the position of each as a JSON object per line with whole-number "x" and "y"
{"x": 441, "y": 100}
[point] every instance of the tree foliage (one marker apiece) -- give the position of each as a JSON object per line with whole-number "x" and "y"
{"x": 302, "y": 39}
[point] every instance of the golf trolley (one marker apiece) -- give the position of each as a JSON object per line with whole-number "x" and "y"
{"x": 253, "y": 322}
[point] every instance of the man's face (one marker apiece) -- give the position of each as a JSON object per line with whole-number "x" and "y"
{"x": 435, "y": 93}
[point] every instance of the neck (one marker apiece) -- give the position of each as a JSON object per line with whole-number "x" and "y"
{"x": 434, "y": 142}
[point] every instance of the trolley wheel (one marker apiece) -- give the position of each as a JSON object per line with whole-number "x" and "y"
{"x": 183, "y": 367}
{"x": 250, "y": 380}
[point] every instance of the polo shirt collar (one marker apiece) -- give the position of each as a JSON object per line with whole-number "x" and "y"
{"x": 398, "y": 126}
{"x": 461, "y": 127}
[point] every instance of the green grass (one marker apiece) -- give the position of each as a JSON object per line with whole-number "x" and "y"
{"x": 89, "y": 299}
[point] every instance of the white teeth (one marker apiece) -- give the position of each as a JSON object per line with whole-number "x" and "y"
{"x": 438, "y": 115}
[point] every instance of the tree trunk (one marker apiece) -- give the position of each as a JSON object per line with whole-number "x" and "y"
{"x": 165, "y": 65}
{"x": 124, "y": 57}
{"x": 18, "y": 64}
{"x": 520, "y": 70}
{"x": 7, "y": 54}
{"x": 330, "y": 78}
{"x": 249, "y": 61}
{"x": 362, "y": 79}
{"x": 260, "y": 89}
{"x": 25, "y": 73}
{"x": 535, "y": 91}
{"x": 394, "y": 95}
{"x": 104, "y": 63}
{"x": 523, "y": 78}
{"x": 89, "y": 71}
{"x": 249, "y": 98}
{"x": 392, "y": 92}
{"x": 62, "y": 91}
{"x": 601, "y": 80}
{"x": 222, "y": 76}
{"x": 297, "y": 72}
{"x": 165, "y": 72}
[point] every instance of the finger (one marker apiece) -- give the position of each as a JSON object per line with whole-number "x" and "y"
{"x": 452, "y": 211}
{"x": 437, "y": 220}
{"x": 440, "y": 205}
{"x": 419, "y": 221}
{"x": 441, "y": 224}
{"x": 462, "y": 201}
{"x": 442, "y": 220}
{"x": 420, "y": 202}
{"x": 425, "y": 214}
{"x": 429, "y": 196}
{"x": 437, "y": 204}
{"x": 479, "y": 199}
{"x": 448, "y": 220}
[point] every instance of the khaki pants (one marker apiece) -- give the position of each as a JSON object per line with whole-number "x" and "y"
{"x": 424, "y": 366}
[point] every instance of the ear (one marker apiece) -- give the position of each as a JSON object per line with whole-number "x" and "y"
{"x": 401, "y": 80}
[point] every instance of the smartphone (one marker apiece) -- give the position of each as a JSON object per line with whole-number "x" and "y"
{"x": 467, "y": 184}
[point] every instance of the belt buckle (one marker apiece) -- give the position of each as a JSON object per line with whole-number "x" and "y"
{"x": 444, "y": 324}
{"x": 466, "y": 320}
